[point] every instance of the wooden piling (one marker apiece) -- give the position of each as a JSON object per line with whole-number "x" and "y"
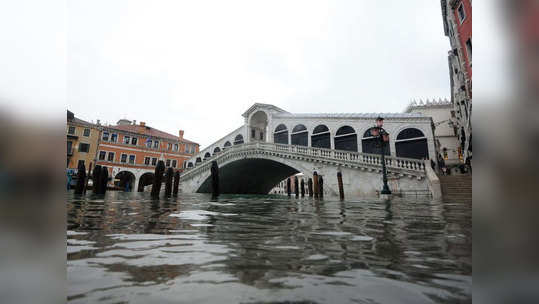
{"x": 87, "y": 177}
{"x": 158, "y": 179}
{"x": 302, "y": 188}
{"x": 315, "y": 184}
{"x": 103, "y": 180}
{"x": 341, "y": 187}
{"x": 310, "y": 187}
{"x": 176, "y": 183}
{"x": 296, "y": 186}
{"x": 168, "y": 182}
{"x": 81, "y": 179}
{"x": 288, "y": 190}
{"x": 95, "y": 179}
{"x": 321, "y": 187}
{"x": 214, "y": 179}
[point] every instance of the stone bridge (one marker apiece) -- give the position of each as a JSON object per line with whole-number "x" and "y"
{"x": 274, "y": 144}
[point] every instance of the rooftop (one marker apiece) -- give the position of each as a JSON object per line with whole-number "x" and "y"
{"x": 149, "y": 131}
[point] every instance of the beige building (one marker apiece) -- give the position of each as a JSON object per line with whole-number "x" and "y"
{"x": 82, "y": 140}
{"x": 445, "y": 130}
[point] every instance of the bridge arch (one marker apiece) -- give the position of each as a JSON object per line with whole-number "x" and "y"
{"x": 216, "y": 150}
{"x": 300, "y": 135}
{"x": 125, "y": 180}
{"x": 321, "y": 137}
{"x": 226, "y": 145}
{"x": 280, "y": 135}
{"x": 238, "y": 140}
{"x": 207, "y": 155}
{"x": 189, "y": 165}
{"x": 411, "y": 143}
{"x": 346, "y": 139}
{"x": 370, "y": 144}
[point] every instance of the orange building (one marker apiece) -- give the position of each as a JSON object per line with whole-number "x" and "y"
{"x": 131, "y": 152}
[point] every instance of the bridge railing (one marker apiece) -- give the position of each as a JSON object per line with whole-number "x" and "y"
{"x": 339, "y": 156}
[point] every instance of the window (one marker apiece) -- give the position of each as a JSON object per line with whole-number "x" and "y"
{"x": 261, "y": 135}
{"x": 86, "y": 132}
{"x": 469, "y": 49}
{"x": 176, "y": 147}
{"x": 134, "y": 141}
{"x": 149, "y": 143}
{"x": 114, "y": 137}
{"x": 169, "y": 146}
{"x": 105, "y": 136}
{"x": 71, "y": 130}
{"x": 462, "y": 14}
{"x": 174, "y": 163}
{"x": 168, "y": 163}
{"x": 69, "y": 147}
{"x": 127, "y": 139}
{"x": 81, "y": 163}
{"x": 453, "y": 114}
{"x": 253, "y": 134}
{"x": 110, "y": 157}
{"x": 154, "y": 161}
{"x": 102, "y": 155}
{"x": 146, "y": 160}
{"x": 84, "y": 147}
{"x": 187, "y": 148}
{"x": 156, "y": 144}
{"x": 131, "y": 159}
{"x": 123, "y": 159}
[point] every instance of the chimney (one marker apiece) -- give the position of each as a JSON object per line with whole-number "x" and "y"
{"x": 181, "y": 134}
{"x": 142, "y": 124}
{"x": 134, "y": 122}
{"x": 99, "y": 122}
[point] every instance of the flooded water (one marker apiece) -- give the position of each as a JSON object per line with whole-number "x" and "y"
{"x": 127, "y": 248}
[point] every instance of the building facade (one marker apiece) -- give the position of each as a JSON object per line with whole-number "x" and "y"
{"x": 445, "y": 130}
{"x": 82, "y": 141}
{"x": 131, "y": 151}
{"x": 457, "y": 21}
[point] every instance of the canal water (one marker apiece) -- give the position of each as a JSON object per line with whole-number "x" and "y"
{"x": 128, "y": 248}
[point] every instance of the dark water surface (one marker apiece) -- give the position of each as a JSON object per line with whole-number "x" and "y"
{"x": 127, "y": 248}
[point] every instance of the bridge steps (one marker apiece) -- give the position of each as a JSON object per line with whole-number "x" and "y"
{"x": 456, "y": 187}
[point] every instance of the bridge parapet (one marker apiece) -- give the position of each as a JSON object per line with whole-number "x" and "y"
{"x": 365, "y": 161}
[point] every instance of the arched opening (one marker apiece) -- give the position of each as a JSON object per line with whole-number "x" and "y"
{"x": 280, "y": 135}
{"x": 207, "y": 155}
{"x": 216, "y": 150}
{"x": 371, "y": 144}
{"x": 321, "y": 137}
{"x": 300, "y": 136}
{"x": 125, "y": 180}
{"x": 227, "y": 144}
{"x": 346, "y": 139}
{"x": 411, "y": 143}
{"x": 243, "y": 176}
{"x": 189, "y": 165}
{"x": 198, "y": 160}
{"x": 257, "y": 126}
{"x": 238, "y": 140}
{"x": 145, "y": 180}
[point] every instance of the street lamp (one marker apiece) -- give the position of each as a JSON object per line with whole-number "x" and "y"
{"x": 383, "y": 139}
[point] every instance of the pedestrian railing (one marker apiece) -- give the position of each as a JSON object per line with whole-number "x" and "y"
{"x": 335, "y": 157}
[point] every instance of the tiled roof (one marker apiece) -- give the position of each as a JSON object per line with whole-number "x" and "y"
{"x": 149, "y": 131}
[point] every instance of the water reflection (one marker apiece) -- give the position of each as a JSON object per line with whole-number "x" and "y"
{"x": 128, "y": 247}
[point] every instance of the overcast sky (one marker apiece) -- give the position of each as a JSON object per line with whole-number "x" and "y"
{"x": 198, "y": 65}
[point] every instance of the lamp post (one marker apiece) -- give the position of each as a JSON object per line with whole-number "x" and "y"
{"x": 383, "y": 138}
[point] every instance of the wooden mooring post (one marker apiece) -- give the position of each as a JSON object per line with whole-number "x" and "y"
{"x": 341, "y": 187}
{"x": 158, "y": 179}
{"x": 176, "y": 183}
{"x": 214, "y": 179}
{"x": 315, "y": 184}
{"x": 310, "y": 187}
{"x": 302, "y": 188}
{"x": 168, "y": 182}
{"x": 296, "y": 186}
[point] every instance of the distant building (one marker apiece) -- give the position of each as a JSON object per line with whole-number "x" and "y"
{"x": 82, "y": 141}
{"x": 457, "y": 21}
{"x": 445, "y": 129}
{"x": 131, "y": 152}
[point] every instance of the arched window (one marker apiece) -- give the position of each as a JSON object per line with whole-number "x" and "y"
{"x": 227, "y": 144}
{"x": 216, "y": 150}
{"x": 321, "y": 137}
{"x": 189, "y": 165}
{"x": 280, "y": 136}
{"x": 411, "y": 143}
{"x": 207, "y": 155}
{"x": 238, "y": 140}
{"x": 371, "y": 144}
{"x": 346, "y": 139}
{"x": 300, "y": 136}
{"x": 199, "y": 160}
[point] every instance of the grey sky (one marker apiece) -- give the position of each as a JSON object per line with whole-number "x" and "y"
{"x": 197, "y": 65}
